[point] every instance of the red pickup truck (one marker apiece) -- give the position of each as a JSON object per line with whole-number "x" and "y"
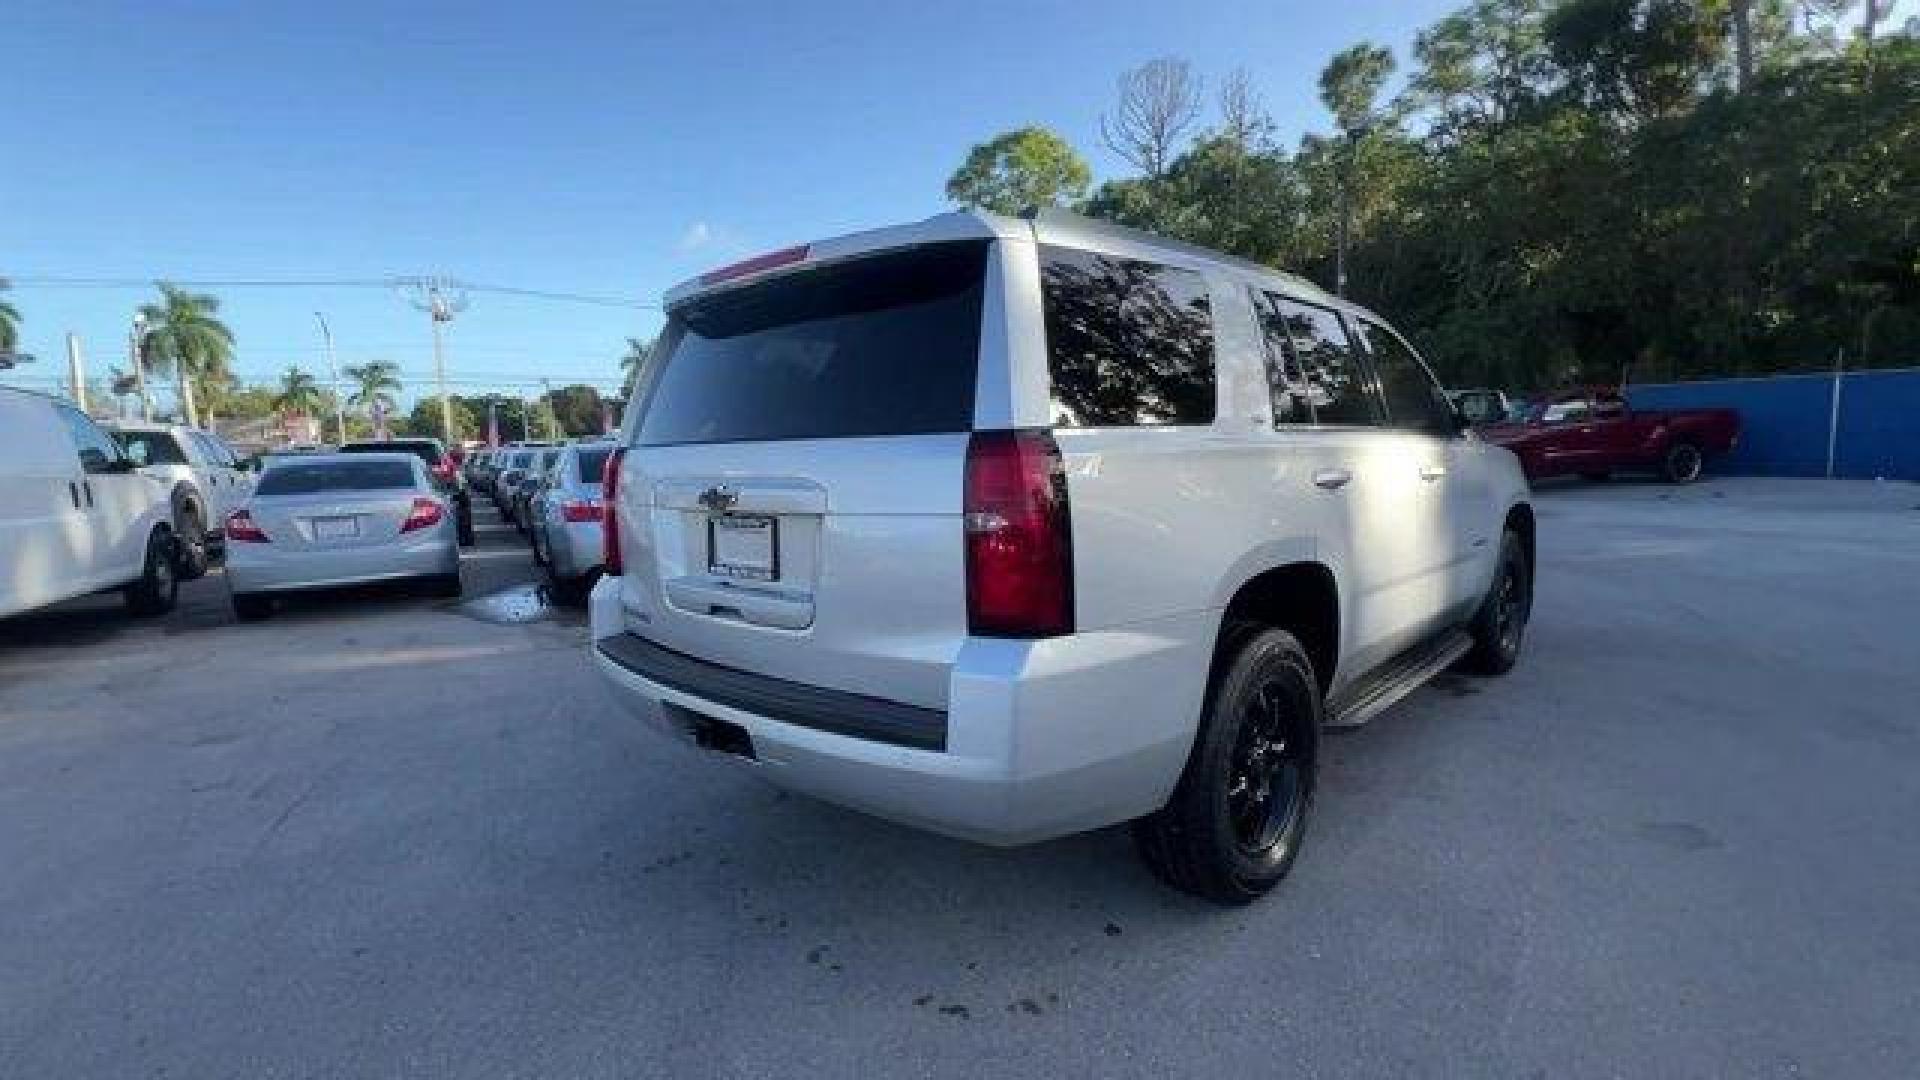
{"x": 1595, "y": 434}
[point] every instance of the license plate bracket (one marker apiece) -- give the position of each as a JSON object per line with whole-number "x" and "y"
{"x": 743, "y": 546}
{"x": 336, "y": 528}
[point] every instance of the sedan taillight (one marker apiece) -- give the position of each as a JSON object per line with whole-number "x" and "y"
{"x": 425, "y": 513}
{"x": 577, "y": 511}
{"x": 242, "y": 530}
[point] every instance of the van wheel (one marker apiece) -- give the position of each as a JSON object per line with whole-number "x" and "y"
{"x": 1236, "y": 820}
{"x": 1682, "y": 463}
{"x": 190, "y": 532}
{"x": 1501, "y": 623}
{"x": 158, "y": 587}
{"x": 251, "y": 607}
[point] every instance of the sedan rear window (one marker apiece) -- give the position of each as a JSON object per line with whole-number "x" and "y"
{"x": 886, "y": 344}
{"x": 427, "y": 450}
{"x": 311, "y": 477}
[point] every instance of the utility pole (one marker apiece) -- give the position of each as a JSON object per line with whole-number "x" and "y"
{"x": 333, "y": 382}
{"x": 553, "y": 415}
{"x": 441, "y": 299}
{"x": 137, "y": 353}
{"x": 77, "y": 371}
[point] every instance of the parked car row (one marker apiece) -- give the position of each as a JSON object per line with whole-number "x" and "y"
{"x": 550, "y": 492}
{"x": 88, "y": 508}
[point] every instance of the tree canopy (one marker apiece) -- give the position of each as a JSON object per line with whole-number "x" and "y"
{"x": 1556, "y": 190}
{"x": 1029, "y": 166}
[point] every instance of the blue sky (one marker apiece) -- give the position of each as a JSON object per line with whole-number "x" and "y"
{"x": 606, "y": 149}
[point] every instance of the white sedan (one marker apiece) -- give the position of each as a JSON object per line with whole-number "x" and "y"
{"x": 327, "y": 520}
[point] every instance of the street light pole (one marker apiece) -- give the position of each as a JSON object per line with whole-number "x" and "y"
{"x": 333, "y": 381}
{"x": 137, "y": 352}
{"x": 441, "y": 299}
{"x": 553, "y": 415}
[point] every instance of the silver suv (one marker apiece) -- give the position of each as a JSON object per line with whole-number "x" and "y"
{"x": 1012, "y": 527}
{"x": 205, "y": 481}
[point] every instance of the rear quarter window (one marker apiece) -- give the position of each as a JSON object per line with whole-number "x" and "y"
{"x": 884, "y": 344}
{"x": 1129, "y": 343}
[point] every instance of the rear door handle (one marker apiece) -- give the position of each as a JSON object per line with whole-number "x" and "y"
{"x": 87, "y": 486}
{"x": 1432, "y": 472}
{"x": 73, "y": 489}
{"x": 1331, "y": 479}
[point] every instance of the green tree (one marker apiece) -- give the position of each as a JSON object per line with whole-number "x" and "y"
{"x": 9, "y": 322}
{"x": 576, "y": 408}
{"x": 299, "y": 393}
{"x": 633, "y": 360}
{"x": 374, "y": 382}
{"x": 1351, "y": 82}
{"x": 186, "y": 339}
{"x": 1017, "y": 169}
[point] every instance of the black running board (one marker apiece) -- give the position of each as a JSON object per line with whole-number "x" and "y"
{"x": 1387, "y": 684}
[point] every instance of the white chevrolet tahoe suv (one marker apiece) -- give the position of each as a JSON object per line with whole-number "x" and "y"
{"x": 1016, "y": 527}
{"x": 204, "y": 478}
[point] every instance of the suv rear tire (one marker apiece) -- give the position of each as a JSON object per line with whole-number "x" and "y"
{"x": 1500, "y": 626}
{"x": 158, "y": 587}
{"x": 1237, "y": 818}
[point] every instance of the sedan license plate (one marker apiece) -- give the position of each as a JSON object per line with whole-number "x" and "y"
{"x": 743, "y": 546}
{"x": 336, "y": 528}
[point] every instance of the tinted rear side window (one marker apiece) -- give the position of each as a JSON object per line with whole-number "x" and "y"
{"x": 887, "y": 344}
{"x": 1337, "y": 386}
{"x": 593, "y": 464}
{"x": 151, "y": 447}
{"x": 309, "y": 477}
{"x": 1128, "y": 342}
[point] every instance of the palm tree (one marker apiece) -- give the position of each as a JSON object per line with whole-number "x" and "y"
{"x": 299, "y": 393}
{"x": 635, "y": 358}
{"x": 184, "y": 338}
{"x": 9, "y": 321}
{"x": 375, "y": 383}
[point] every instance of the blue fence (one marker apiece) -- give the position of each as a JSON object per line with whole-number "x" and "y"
{"x": 1785, "y": 421}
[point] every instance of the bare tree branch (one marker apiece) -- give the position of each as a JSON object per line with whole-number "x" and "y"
{"x": 1159, "y": 101}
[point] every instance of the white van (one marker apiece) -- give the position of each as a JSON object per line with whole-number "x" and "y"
{"x": 76, "y": 515}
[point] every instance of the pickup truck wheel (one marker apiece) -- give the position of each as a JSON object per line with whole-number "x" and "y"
{"x": 1235, "y": 822}
{"x": 1500, "y": 625}
{"x": 190, "y": 544}
{"x": 1682, "y": 463}
{"x": 158, "y": 586}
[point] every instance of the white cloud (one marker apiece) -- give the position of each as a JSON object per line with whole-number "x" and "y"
{"x": 698, "y": 235}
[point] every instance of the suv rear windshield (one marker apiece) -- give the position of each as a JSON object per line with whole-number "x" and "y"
{"x": 426, "y": 450}
{"x": 886, "y": 344}
{"x": 308, "y": 477}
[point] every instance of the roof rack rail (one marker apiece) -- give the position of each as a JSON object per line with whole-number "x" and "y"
{"x": 1101, "y": 226}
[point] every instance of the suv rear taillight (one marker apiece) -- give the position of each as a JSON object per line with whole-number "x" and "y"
{"x": 1019, "y": 548}
{"x": 242, "y": 530}
{"x": 610, "y": 514}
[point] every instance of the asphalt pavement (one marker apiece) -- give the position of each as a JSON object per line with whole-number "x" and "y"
{"x": 390, "y": 835}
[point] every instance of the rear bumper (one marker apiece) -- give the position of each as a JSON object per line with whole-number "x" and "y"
{"x": 253, "y": 568}
{"x": 575, "y": 547}
{"x": 1039, "y": 738}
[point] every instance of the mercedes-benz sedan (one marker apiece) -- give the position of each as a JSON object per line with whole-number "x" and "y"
{"x": 337, "y": 519}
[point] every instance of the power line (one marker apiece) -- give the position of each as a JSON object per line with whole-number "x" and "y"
{"x": 54, "y": 282}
